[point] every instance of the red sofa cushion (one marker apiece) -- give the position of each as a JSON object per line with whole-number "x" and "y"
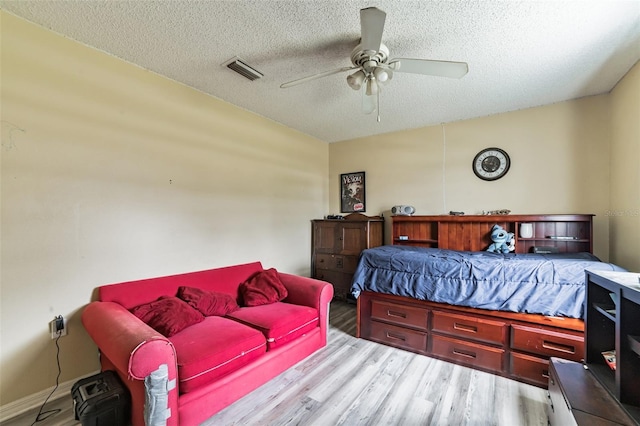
{"x": 208, "y": 302}
{"x": 262, "y": 288}
{"x": 279, "y": 322}
{"x": 167, "y": 315}
{"x": 213, "y": 348}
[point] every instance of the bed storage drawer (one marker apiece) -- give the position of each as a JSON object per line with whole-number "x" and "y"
{"x": 468, "y": 327}
{"x": 399, "y": 337}
{"x": 400, "y": 314}
{"x": 546, "y": 342}
{"x": 467, "y": 353}
{"x": 529, "y": 368}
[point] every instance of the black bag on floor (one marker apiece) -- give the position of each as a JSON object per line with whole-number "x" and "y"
{"x": 101, "y": 400}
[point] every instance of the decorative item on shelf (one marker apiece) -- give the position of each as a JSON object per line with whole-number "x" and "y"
{"x": 352, "y": 192}
{"x": 502, "y": 240}
{"x": 402, "y": 210}
{"x": 496, "y": 212}
{"x": 452, "y": 213}
{"x": 526, "y": 230}
{"x": 334, "y": 216}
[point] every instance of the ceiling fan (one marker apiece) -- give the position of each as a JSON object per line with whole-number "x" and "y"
{"x": 371, "y": 60}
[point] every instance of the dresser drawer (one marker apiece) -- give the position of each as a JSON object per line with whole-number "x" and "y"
{"x": 336, "y": 262}
{"x": 341, "y": 282}
{"x": 467, "y": 353}
{"x": 479, "y": 329}
{"x": 546, "y": 342}
{"x": 400, "y": 314}
{"x": 399, "y": 337}
{"x": 529, "y": 368}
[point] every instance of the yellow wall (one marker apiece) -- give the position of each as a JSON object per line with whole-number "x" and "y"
{"x": 559, "y": 164}
{"x": 625, "y": 171}
{"x": 112, "y": 173}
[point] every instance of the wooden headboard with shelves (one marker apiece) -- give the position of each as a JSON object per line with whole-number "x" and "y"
{"x": 568, "y": 233}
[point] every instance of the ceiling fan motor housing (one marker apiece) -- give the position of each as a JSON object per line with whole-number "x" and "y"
{"x": 368, "y": 58}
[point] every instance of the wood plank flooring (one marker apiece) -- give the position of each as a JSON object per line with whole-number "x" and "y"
{"x": 357, "y": 382}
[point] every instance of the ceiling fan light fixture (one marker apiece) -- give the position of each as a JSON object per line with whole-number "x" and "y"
{"x": 356, "y": 79}
{"x": 372, "y": 86}
{"x": 382, "y": 75}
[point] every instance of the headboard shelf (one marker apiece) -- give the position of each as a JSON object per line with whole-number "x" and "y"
{"x": 571, "y": 232}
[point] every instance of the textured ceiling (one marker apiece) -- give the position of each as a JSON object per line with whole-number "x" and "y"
{"x": 520, "y": 53}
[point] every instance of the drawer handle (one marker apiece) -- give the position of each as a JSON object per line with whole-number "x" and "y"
{"x": 545, "y": 374}
{"x": 396, "y": 314}
{"x": 465, "y": 327}
{"x": 396, "y": 336}
{"x": 321, "y": 260}
{"x": 558, "y": 347}
{"x": 464, "y": 353}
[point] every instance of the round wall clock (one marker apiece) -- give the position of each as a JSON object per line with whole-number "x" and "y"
{"x": 491, "y": 164}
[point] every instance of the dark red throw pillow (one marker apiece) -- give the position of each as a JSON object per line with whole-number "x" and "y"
{"x": 263, "y": 288}
{"x": 168, "y": 315}
{"x": 209, "y": 303}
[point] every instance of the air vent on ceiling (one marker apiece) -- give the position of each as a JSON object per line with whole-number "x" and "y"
{"x": 241, "y": 67}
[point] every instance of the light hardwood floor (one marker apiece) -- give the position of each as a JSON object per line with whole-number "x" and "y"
{"x": 357, "y": 382}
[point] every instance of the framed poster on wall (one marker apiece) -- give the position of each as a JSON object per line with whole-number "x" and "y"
{"x": 352, "y": 190}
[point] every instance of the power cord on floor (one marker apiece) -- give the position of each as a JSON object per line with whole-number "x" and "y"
{"x": 42, "y": 416}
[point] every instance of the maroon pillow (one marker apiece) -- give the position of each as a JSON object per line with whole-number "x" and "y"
{"x": 209, "y": 303}
{"x": 168, "y": 315}
{"x": 262, "y": 288}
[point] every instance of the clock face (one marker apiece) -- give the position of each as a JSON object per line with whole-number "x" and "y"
{"x": 491, "y": 164}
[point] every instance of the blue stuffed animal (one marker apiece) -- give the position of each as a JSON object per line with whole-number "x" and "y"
{"x": 501, "y": 240}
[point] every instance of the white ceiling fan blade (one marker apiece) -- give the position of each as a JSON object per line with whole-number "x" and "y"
{"x": 428, "y": 67}
{"x": 315, "y": 76}
{"x": 371, "y": 28}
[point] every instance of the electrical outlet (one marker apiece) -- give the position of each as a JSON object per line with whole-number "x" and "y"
{"x": 58, "y": 327}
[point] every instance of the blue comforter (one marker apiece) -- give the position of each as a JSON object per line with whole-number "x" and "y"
{"x": 548, "y": 284}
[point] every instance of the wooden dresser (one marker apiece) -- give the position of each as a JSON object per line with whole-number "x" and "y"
{"x": 336, "y": 245}
{"x": 514, "y": 345}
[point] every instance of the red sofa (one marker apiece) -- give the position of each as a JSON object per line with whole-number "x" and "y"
{"x": 216, "y": 361}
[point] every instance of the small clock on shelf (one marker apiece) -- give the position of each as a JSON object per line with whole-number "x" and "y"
{"x": 491, "y": 164}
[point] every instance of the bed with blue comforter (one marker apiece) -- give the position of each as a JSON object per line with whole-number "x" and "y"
{"x": 548, "y": 284}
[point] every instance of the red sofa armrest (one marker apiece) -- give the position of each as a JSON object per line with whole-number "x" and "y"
{"x": 128, "y": 342}
{"x": 135, "y": 349}
{"x": 310, "y": 292}
{"x": 306, "y": 291}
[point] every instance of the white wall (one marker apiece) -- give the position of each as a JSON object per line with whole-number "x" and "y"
{"x": 112, "y": 173}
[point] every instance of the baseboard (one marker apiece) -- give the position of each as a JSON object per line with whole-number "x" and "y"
{"x": 22, "y": 405}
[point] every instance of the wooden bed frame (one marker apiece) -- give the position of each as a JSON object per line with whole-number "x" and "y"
{"x": 513, "y": 345}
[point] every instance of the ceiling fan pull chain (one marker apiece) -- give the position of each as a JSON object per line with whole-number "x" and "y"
{"x": 378, "y": 94}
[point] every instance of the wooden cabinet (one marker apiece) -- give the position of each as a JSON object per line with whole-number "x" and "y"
{"x": 336, "y": 245}
{"x": 594, "y": 392}
{"x": 566, "y": 233}
{"x": 506, "y": 343}
{"x": 576, "y": 397}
